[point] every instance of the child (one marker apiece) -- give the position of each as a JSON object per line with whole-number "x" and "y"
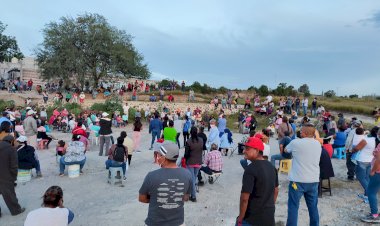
{"x": 119, "y": 121}
{"x": 373, "y": 188}
{"x": 61, "y": 147}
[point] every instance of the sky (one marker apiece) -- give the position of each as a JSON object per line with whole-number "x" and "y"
{"x": 329, "y": 45}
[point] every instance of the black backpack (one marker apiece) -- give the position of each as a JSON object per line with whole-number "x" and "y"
{"x": 119, "y": 153}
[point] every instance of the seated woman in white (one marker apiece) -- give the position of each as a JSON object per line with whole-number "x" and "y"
{"x": 52, "y": 211}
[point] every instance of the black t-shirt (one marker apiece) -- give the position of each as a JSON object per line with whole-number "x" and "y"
{"x": 260, "y": 179}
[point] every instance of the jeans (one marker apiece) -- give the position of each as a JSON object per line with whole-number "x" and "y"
{"x": 350, "y": 166}
{"x": 298, "y": 109}
{"x": 310, "y": 192}
{"x": 273, "y": 159}
{"x": 155, "y": 134}
{"x": 362, "y": 173}
{"x": 194, "y": 174}
{"x": 112, "y": 163}
{"x": 372, "y": 189}
{"x": 304, "y": 110}
{"x": 102, "y": 140}
{"x": 62, "y": 164}
{"x": 177, "y": 139}
{"x": 244, "y": 163}
{"x": 314, "y": 111}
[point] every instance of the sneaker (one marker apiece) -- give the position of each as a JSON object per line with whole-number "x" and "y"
{"x": 193, "y": 199}
{"x": 365, "y": 200}
{"x": 39, "y": 174}
{"x": 201, "y": 182}
{"x": 371, "y": 219}
{"x": 124, "y": 178}
{"x": 151, "y": 148}
{"x": 21, "y": 211}
{"x": 362, "y": 196}
{"x": 81, "y": 172}
{"x": 61, "y": 174}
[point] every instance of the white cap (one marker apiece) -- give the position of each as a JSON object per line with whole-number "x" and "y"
{"x": 22, "y": 139}
{"x": 31, "y": 112}
{"x": 105, "y": 114}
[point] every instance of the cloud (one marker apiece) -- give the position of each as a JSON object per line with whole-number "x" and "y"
{"x": 373, "y": 20}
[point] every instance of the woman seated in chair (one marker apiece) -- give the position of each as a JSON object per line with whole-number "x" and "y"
{"x": 27, "y": 157}
{"x": 226, "y": 141}
{"x": 41, "y": 134}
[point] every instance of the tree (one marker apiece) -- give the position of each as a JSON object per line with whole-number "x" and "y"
{"x": 263, "y": 90}
{"x": 304, "y": 89}
{"x": 88, "y": 46}
{"x": 330, "y": 93}
{"x": 352, "y": 96}
{"x": 8, "y": 46}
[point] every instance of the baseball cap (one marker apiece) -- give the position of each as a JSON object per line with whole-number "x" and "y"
{"x": 31, "y": 112}
{"x": 255, "y": 142}
{"x": 105, "y": 114}
{"x": 22, "y": 139}
{"x": 28, "y": 108}
{"x": 357, "y": 123}
{"x": 168, "y": 149}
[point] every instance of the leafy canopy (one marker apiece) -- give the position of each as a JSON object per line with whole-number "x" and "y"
{"x": 88, "y": 48}
{"x": 8, "y": 46}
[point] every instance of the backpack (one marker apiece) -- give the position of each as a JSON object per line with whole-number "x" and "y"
{"x": 119, "y": 153}
{"x": 186, "y": 126}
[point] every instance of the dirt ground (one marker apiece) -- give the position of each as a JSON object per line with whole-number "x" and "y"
{"x": 95, "y": 202}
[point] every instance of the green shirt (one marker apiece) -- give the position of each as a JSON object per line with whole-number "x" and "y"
{"x": 170, "y": 134}
{"x": 68, "y": 95}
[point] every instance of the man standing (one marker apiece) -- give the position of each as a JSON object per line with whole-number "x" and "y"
{"x": 155, "y": 128}
{"x": 304, "y": 175}
{"x": 30, "y": 126}
{"x": 348, "y": 146}
{"x": 305, "y": 103}
{"x": 8, "y": 175}
{"x": 222, "y": 123}
{"x": 166, "y": 189}
{"x": 126, "y": 109}
{"x": 260, "y": 188}
{"x": 30, "y": 84}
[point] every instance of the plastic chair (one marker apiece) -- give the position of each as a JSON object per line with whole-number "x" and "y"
{"x": 285, "y": 166}
{"x": 339, "y": 153}
{"x": 113, "y": 174}
{"x": 42, "y": 144}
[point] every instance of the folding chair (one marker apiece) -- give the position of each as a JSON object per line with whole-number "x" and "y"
{"x": 233, "y": 149}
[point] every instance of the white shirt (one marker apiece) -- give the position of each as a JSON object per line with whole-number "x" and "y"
{"x": 48, "y": 217}
{"x": 266, "y": 151}
{"x": 125, "y": 109}
{"x": 178, "y": 125}
{"x": 366, "y": 154}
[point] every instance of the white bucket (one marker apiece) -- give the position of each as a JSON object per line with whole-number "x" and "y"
{"x": 24, "y": 175}
{"x": 73, "y": 171}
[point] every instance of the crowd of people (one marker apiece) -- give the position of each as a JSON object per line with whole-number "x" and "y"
{"x": 310, "y": 141}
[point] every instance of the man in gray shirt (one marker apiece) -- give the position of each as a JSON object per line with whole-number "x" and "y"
{"x": 30, "y": 126}
{"x": 304, "y": 175}
{"x": 166, "y": 189}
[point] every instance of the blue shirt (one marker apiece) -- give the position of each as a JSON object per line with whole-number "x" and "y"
{"x": 340, "y": 138}
{"x": 3, "y": 119}
{"x": 294, "y": 127}
{"x": 155, "y": 125}
{"x": 222, "y": 123}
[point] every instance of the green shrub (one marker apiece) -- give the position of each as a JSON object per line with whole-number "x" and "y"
{"x": 6, "y": 104}
{"x": 110, "y": 105}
